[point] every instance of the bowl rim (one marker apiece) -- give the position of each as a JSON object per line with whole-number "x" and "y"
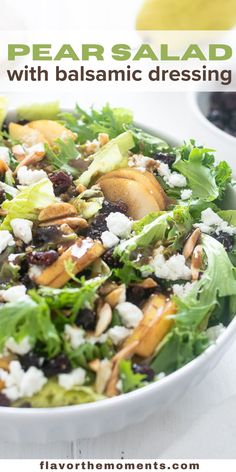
{"x": 193, "y": 101}
{"x": 126, "y": 398}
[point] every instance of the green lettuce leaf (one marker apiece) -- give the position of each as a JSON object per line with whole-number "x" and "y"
{"x": 27, "y": 203}
{"x": 130, "y": 380}
{"x": 146, "y": 143}
{"x": 62, "y": 154}
{"x": 39, "y": 111}
{"x": 229, "y": 216}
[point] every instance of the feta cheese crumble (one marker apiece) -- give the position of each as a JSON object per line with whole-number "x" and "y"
{"x": 74, "y": 335}
{"x": 19, "y": 383}
{"x": 21, "y": 348}
{"x": 118, "y": 334}
{"x": 6, "y": 239}
{"x": 5, "y": 154}
{"x": 213, "y": 223}
{"x": 22, "y": 229}
{"x": 109, "y": 239}
{"x": 214, "y": 332}
{"x": 119, "y": 224}
{"x": 173, "y": 268}
{"x": 173, "y": 179}
{"x": 74, "y": 378}
{"x": 16, "y": 293}
{"x": 130, "y": 314}
{"x": 182, "y": 290}
{"x": 28, "y": 177}
{"x": 186, "y": 194}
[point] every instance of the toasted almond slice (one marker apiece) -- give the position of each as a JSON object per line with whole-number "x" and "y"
{"x": 2, "y": 385}
{"x": 103, "y": 375}
{"x": 104, "y": 319}
{"x": 94, "y": 365}
{"x": 4, "y": 363}
{"x": 191, "y": 243}
{"x": 83, "y": 252}
{"x": 116, "y": 296}
{"x": 125, "y": 353}
{"x": 71, "y": 221}
{"x": 57, "y": 210}
{"x": 147, "y": 283}
{"x": 3, "y": 167}
{"x": 108, "y": 287}
{"x": 196, "y": 262}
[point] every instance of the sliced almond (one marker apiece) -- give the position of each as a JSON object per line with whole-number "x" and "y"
{"x": 4, "y": 363}
{"x": 73, "y": 222}
{"x": 83, "y": 252}
{"x": 2, "y": 385}
{"x": 147, "y": 283}
{"x": 94, "y": 365}
{"x": 104, "y": 319}
{"x": 103, "y": 375}
{"x": 125, "y": 353}
{"x": 116, "y": 296}
{"x": 191, "y": 243}
{"x": 196, "y": 262}
{"x": 57, "y": 210}
{"x": 3, "y": 167}
{"x": 108, "y": 287}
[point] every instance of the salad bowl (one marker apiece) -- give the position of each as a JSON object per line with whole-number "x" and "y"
{"x": 24, "y": 424}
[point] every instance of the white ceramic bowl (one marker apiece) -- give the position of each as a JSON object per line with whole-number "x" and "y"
{"x": 93, "y": 419}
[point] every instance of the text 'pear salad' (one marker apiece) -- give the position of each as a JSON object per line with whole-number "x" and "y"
{"x": 117, "y": 263}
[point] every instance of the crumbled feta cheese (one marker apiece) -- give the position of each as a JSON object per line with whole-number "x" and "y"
{"x": 6, "y": 239}
{"x": 22, "y": 229}
{"x": 4, "y": 154}
{"x": 182, "y": 290}
{"x": 74, "y": 335}
{"x": 160, "y": 376}
{"x": 214, "y": 332}
{"x": 19, "y": 383}
{"x": 29, "y": 177}
{"x": 186, "y": 194}
{"x": 12, "y": 191}
{"x": 118, "y": 334}
{"x": 36, "y": 148}
{"x": 34, "y": 271}
{"x": 172, "y": 269}
{"x": 109, "y": 239}
{"x": 140, "y": 161}
{"x": 21, "y": 348}
{"x": 76, "y": 377}
{"x": 130, "y": 314}
{"x": 119, "y": 224}
{"x": 173, "y": 179}
{"x": 16, "y": 293}
{"x": 213, "y": 223}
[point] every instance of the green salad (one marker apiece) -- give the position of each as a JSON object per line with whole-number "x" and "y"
{"x": 117, "y": 259}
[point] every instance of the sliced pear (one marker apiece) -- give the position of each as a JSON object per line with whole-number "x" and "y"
{"x": 156, "y": 323}
{"x": 25, "y": 134}
{"x": 145, "y": 178}
{"x": 139, "y": 200}
{"x": 51, "y": 130}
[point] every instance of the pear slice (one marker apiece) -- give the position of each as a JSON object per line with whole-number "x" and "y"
{"x": 51, "y": 130}
{"x": 145, "y": 178}
{"x": 156, "y": 323}
{"x": 139, "y": 200}
{"x": 25, "y": 134}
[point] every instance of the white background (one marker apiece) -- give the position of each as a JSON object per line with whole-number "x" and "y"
{"x": 202, "y": 424}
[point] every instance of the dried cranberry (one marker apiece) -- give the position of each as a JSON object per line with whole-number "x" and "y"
{"x": 226, "y": 239}
{"x": 113, "y": 207}
{"x": 45, "y": 258}
{"x": 110, "y": 260}
{"x": 57, "y": 365}
{"x": 2, "y": 196}
{"x": 97, "y": 226}
{"x": 28, "y": 282}
{"x": 31, "y": 359}
{"x": 168, "y": 159}
{"x": 4, "y": 401}
{"x": 46, "y": 235}
{"x": 86, "y": 319}
{"x": 145, "y": 370}
{"x": 61, "y": 181}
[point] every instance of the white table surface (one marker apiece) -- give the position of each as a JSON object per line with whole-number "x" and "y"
{"x": 202, "y": 424}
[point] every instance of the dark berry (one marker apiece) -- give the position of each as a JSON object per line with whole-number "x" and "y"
{"x": 86, "y": 319}
{"x": 113, "y": 207}
{"x": 57, "y": 365}
{"x": 25, "y": 405}
{"x": 22, "y": 122}
{"x": 110, "y": 260}
{"x": 45, "y": 258}
{"x": 46, "y": 235}
{"x": 2, "y": 196}
{"x": 226, "y": 239}
{"x": 28, "y": 282}
{"x": 145, "y": 370}
{"x": 4, "y": 401}
{"x": 31, "y": 359}
{"x": 61, "y": 181}
{"x": 168, "y": 159}
{"x": 97, "y": 226}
